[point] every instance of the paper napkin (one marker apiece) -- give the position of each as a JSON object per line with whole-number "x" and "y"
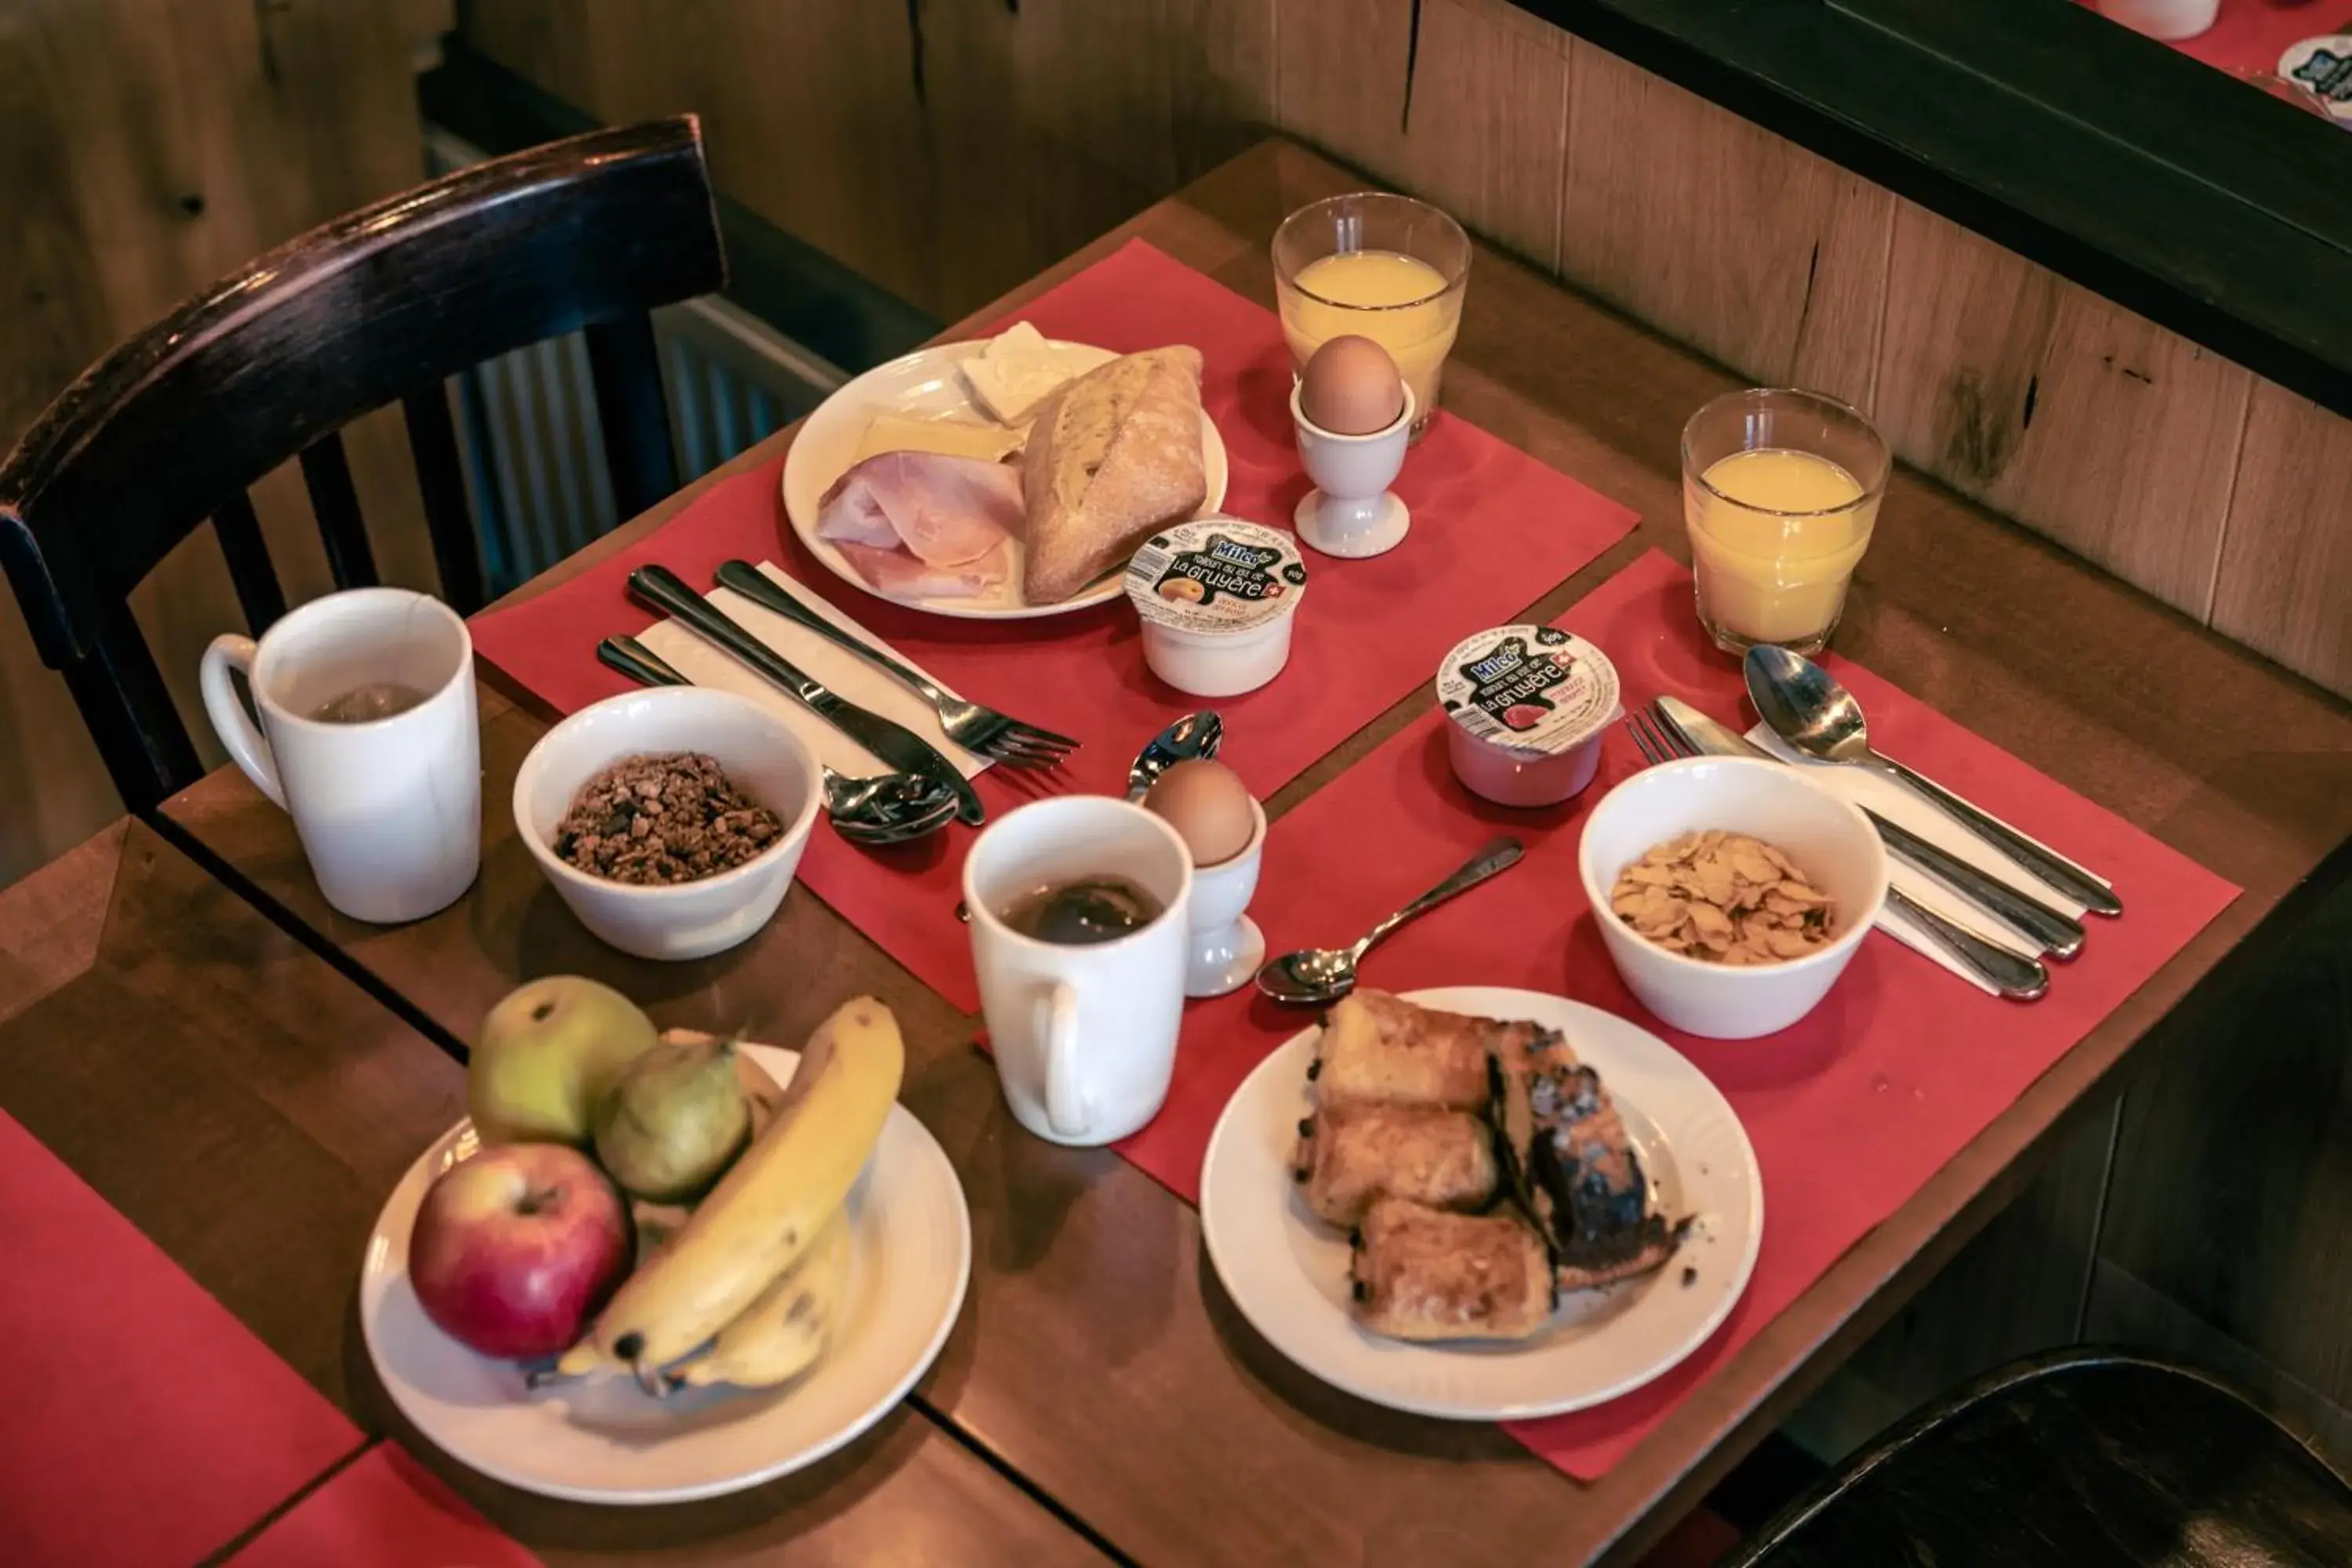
{"x": 849, "y": 676}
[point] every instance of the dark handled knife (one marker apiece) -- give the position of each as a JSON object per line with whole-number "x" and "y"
{"x": 2049, "y": 929}
{"x": 898, "y": 746}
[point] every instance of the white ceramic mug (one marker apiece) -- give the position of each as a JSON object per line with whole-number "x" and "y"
{"x": 1084, "y": 1034}
{"x": 389, "y": 810}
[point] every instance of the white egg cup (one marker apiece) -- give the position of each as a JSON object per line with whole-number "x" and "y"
{"x": 1226, "y": 947}
{"x": 1351, "y": 511}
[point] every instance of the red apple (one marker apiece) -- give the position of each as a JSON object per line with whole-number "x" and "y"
{"x": 516, "y": 1248}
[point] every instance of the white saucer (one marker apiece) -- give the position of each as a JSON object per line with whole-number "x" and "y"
{"x": 604, "y": 1440}
{"x": 1288, "y": 1271}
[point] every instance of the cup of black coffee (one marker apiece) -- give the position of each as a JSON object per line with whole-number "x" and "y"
{"x": 1078, "y": 939}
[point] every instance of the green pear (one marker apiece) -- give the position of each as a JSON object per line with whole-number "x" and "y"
{"x": 675, "y": 1121}
{"x": 547, "y": 1055}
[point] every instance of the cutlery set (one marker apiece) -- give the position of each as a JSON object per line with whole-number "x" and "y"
{"x": 924, "y": 791}
{"x": 1816, "y": 717}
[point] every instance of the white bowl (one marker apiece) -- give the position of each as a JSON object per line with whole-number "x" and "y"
{"x": 689, "y": 920}
{"x": 1829, "y": 839}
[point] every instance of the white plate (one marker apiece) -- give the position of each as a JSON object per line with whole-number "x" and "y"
{"x": 1288, "y": 1271}
{"x": 925, "y": 383}
{"x": 605, "y": 1441}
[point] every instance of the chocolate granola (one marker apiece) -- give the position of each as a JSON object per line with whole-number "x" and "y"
{"x": 655, "y": 821}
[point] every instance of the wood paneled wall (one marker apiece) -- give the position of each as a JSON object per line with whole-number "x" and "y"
{"x": 951, "y": 148}
{"x": 146, "y": 148}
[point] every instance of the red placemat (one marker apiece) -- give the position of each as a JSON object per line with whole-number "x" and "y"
{"x": 144, "y": 1424}
{"x": 382, "y": 1510}
{"x": 1851, "y": 1110}
{"x": 1493, "y": 531}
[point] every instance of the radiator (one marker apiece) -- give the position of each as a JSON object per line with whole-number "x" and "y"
{"x": 534, "y": 453}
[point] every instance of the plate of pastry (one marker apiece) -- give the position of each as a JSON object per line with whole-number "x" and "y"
{"x": 1003, "y": 479}
{"x": 1481, "y": 1203}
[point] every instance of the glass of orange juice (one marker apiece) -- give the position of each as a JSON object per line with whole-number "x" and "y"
{"x": 1382, "y": 267}
{"x": 1780, "y": 492}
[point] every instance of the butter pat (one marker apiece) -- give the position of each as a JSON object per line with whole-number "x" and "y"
{"x": 1016, "y": 371}
{"x": 948, "y": 437}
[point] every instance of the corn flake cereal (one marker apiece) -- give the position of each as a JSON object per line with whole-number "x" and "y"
{"x": 1724, "y": 898}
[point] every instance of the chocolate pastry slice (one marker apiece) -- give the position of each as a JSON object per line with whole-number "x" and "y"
{"x": 1573, "y": 1167}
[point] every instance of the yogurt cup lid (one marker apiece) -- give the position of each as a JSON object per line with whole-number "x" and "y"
{"x": 2323, "y": 66}
{"x": 1216, "y": 575}
{"x": 1535, "y": 690}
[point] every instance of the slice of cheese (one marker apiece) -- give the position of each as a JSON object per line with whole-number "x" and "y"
{"x": 1016, "y": 371}
{"x": 949, "y": 438}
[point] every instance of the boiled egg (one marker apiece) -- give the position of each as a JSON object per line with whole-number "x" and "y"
{"x": 1208, "y": 806}
{"x": 1350, "y": 387}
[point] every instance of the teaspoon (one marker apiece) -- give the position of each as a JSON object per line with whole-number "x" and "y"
{"x": 1805, "y": 706}
{"x": 1195, "y": 735}
{"x": 1315, "y": 975}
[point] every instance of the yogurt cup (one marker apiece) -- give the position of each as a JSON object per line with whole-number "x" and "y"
{"x": 2322, "y": 67}
{"x": 1216, "y": 596}
{"x": 1527, "y": 706}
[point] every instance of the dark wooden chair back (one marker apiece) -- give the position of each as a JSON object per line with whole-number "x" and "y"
{"x": 2081, "y": 1459}
{"x": 375, "y": 308}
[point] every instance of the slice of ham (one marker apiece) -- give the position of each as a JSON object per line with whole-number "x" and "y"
{"x": 942, "y": 510}
{"x": 896, "y": 574}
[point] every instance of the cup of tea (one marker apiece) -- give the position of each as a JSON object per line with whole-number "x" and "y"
{"x": 1078, "y": 935}
{"x": 368, "y": 738}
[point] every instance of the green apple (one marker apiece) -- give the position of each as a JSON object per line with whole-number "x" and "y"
{"x": 546, "y": 1058}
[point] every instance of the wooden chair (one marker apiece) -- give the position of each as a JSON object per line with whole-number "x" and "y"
{"x": 2083, "y": 1458}
{"x": 378, "y": 307}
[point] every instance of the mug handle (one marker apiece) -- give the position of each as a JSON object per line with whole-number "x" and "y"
{"x": 230, "y": 721}
{"x": 1066, "y": 1096}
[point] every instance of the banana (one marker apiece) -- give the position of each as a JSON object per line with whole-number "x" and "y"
{"x": 769, "y": 1207}
{"x": 782, "y": 1333}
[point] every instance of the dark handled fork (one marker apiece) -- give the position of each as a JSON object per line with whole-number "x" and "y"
{"x": 2011, "y": 975}
{"x": 978, "y": 728}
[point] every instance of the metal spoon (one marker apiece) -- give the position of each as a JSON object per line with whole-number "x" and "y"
{"x": 1195, "y": 735}
{"x": 1807, "y": 708}
{"x": 1315, "y": 975}
{"x": 878, "y": 809}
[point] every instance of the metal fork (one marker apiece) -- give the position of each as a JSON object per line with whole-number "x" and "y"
{"x": 978, "y": 728}
{"x": 2018, "y": 978}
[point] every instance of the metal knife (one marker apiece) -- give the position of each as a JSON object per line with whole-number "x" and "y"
{"x": 2011, "y": 973}
{"x": 2049, "y": 929}
{"x": 893, "y": 743}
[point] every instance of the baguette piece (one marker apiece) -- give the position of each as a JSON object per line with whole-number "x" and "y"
{"x": 1378, "y": 1048}
{"x": 1422, "y": 1274}
{"x": 1112, "y": 455}
{"x": 1351, "y": 1154}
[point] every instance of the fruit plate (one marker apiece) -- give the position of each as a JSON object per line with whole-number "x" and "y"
{"x": 605, "y": 1440}
{"x": 925, "y": 383}
{"x": 1288, "y": 1271}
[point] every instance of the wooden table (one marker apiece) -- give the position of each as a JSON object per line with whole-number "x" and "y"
{"x": 1099, "y": 1359}
{"x": 248, "y": 1109}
